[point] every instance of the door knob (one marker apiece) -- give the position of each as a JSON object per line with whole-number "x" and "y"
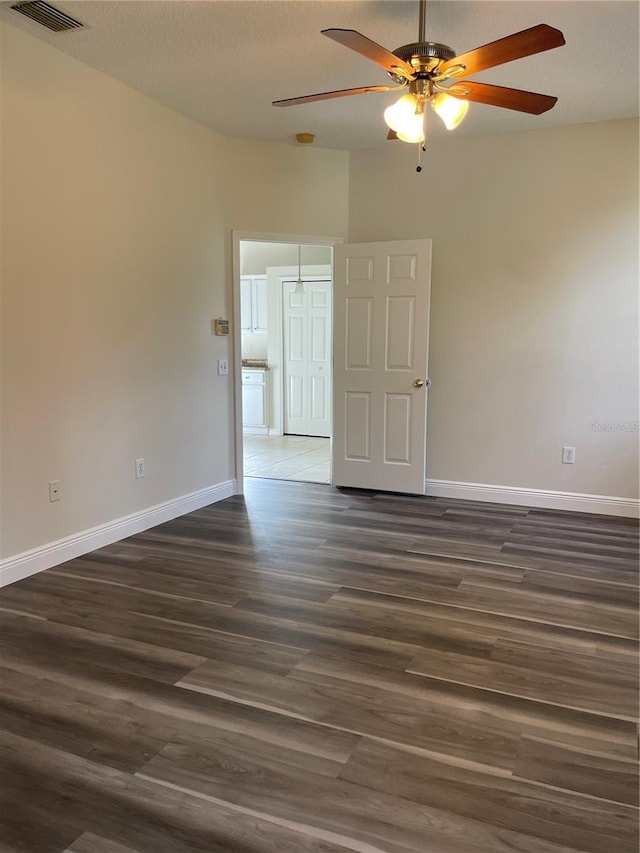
{"x": 419, "y": 383}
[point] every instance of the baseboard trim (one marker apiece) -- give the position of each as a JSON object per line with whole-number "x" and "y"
{"x": 36, "y": 560}
{"x": 542, "y": 498}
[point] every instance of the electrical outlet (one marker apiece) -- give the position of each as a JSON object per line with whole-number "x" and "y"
{"x": 568, "y": 455}
{"x": 223, "y": 367}
{"x": 139, "y": 468}
{"x": 55, "y": 492}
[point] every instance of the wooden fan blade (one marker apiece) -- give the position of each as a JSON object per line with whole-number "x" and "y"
{"x": 392, "y": 135}
{"x": 373, "y": 51}
{"x": 534, "y": 40}
{"x": 500, "y": 96}
{"x": 324, "y": 96}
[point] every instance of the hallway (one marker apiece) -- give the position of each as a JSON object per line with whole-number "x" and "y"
{"x": 288, "y": 457}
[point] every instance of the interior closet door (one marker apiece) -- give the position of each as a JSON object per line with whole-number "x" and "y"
{"x": 380, "y": 376}
{"x": 307, "y": 358}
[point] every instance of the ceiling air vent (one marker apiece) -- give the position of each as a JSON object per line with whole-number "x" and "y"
{"x": 46, "y": 15}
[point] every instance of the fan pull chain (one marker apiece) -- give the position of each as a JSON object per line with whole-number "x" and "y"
{"x": 422, "y": 146}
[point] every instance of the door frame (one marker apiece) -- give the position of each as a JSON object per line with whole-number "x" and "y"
{"x": 255, "y": 237}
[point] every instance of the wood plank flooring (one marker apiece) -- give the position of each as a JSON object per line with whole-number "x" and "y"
{"x": 307, "y": 669}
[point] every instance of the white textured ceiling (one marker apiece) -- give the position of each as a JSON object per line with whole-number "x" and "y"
{"x": 222, "y": 62}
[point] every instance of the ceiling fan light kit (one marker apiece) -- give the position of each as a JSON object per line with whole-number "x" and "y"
{"x": 451, "y": 110}
{"x": 424, "y": 67}
{"x": 406, "y": 118}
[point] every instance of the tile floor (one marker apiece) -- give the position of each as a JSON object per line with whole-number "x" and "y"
{"x": 287, "y": 457}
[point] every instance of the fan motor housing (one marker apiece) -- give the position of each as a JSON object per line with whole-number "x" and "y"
{"x": 423, "y": 56}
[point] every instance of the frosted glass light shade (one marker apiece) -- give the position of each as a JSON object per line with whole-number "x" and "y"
{"x": 406, "y": 118}
{"x": 416, "y": 136}
{"x": 451, "y": 110}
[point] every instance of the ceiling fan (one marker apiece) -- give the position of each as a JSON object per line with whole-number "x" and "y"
{"x": 424, "y": 67}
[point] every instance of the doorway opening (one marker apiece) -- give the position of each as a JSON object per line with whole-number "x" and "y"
{"x": 283, "y": 354}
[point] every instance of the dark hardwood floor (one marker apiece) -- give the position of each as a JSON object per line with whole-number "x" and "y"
{"x": 311, "y": 670}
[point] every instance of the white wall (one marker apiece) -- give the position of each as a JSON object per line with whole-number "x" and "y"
{"x": 116, "y": 253}
{"x": 255, "y": 257}
{"x": 254, "y": 345}
{"x": 534, "y": 323}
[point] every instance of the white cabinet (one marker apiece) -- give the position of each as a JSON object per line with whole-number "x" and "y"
{"x": 259, "y": 295}
{"x": 246, "y": 316}
{"x": 253, "y": 304}
{"x": 254, "y": 400}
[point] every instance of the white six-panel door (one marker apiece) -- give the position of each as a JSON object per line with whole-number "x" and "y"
{"x": 381, "y": 344}
{"x": 307, "y": 358}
